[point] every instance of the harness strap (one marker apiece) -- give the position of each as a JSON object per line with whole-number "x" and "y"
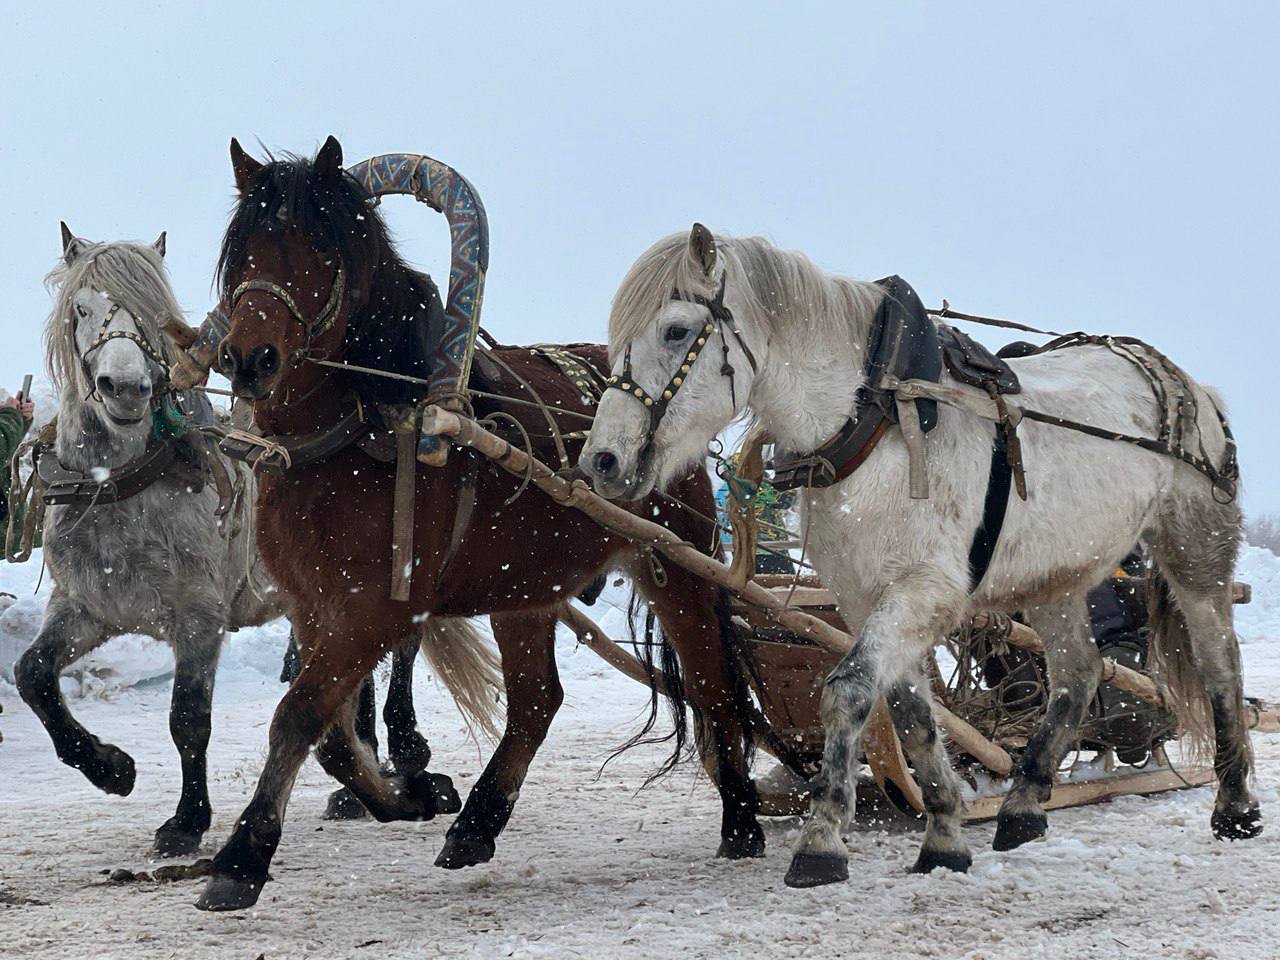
{"x": 994, "y": 506}
{"x": 402, "y": 511}
{"x": 277, "y": 455}
{"x": 65, "y": 486}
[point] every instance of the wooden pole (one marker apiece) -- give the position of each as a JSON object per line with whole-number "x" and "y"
{"x": 591, "y": 636}
{"x": 576, "y": 493}
{"x": 1022, "y": 636}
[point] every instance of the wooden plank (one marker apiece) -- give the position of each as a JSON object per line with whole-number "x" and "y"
{"x": 1075, "y": 794}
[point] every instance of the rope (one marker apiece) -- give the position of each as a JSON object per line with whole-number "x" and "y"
{"x": 268, "y": 446}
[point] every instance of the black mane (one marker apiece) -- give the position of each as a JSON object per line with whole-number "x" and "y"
{"x": 398, "y": 313}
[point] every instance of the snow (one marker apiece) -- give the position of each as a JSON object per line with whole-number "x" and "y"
{"x": 590, "y": 865}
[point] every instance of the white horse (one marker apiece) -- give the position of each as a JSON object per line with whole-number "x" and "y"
{"x": 789, "y": 343}
{"x": 155, "y": 562}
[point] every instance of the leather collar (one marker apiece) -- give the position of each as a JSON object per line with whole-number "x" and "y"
{"x": 903, "y": 344}
{"x": 66, "y": 486}
{"x": 279, "y": 454}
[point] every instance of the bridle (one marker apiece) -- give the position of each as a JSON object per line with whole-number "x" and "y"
{"x": 105, "y": 336}
{"x": 721, "y": 322}
{"x": 314, "y": 327}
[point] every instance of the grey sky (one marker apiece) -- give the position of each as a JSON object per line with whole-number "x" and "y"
{"x": 1103, "y": 167}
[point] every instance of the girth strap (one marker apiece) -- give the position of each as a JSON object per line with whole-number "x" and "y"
{"x": 994, "y": 506}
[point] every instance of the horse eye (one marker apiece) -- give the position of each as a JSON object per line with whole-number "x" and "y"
{"x": 676, "y": 334}
{"x": 81, "y": 311}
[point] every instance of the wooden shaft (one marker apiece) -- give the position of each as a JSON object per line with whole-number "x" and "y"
{"x": 591, "y": 636}
{"x": 1022, "y": 636}
{"x": 577, "y": 494}
{"x": 991, "y": 755}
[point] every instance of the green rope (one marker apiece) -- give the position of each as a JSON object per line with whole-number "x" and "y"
{"x": 167, "y": 420}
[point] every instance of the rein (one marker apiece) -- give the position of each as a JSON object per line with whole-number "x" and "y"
{"x": 721, "y": 322}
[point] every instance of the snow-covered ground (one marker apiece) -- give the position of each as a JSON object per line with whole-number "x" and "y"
{"x": 589, "y": 866}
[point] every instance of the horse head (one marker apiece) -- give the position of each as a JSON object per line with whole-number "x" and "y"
{"x": 105, "y": 341}
{"x": 667, "y": 401}
{"x": 296, "y": 264}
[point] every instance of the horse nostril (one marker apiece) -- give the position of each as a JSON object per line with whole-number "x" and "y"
{"x": 606, "y": 463}
{"x": 266, "y": 359}
{"x": 106, "y": 386}
{"x": 144, "y": 388}
{"x": 228, "y": 359}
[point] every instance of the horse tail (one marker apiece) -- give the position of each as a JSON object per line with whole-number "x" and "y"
{"x": 660, "y": 660}
{"x": 663, "y": 673}
{"x": 1169, "y": 661}
{"x": 469, "y": 668}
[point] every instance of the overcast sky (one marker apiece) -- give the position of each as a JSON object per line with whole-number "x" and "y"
{"x": 1109, "y": 167}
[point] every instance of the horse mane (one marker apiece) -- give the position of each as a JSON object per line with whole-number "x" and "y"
{"x": 391, "y": 329}
{"x": 783, "y": 288}
{"x": 129, "y": 274}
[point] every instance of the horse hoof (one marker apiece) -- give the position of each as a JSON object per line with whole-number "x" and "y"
{"x": 228, "y": 893}
{"x": 175, "y": 841}
{"x": 411, "y": 756}
{"x": 462, "y": 851}
{"x": 1245, "y": 825}
{"x": 816, "y": 870}
{"x": 110, "y": 769}
{"x": 929, "y": 860}
{"x": 742, "y": 844}
{"x": 343, "y": 805}
{"x": 1015, "y": 829}
{"x": 435, "y": 794}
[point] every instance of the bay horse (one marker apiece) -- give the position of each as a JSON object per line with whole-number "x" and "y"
{"x": 793, "y": 345}
{"x": 158, "y": 562}
{"x": 305, "y": 243}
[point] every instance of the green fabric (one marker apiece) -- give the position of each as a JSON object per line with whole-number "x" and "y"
{"x": 12, "y": 429}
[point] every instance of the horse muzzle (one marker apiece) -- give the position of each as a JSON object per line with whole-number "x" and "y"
{"x": 254, "y": 376}
{"x": 616, "y": 474}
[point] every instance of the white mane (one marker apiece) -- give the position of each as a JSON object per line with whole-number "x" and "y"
{"x": 783, "y": 289}
{"x": 129, "y": 274}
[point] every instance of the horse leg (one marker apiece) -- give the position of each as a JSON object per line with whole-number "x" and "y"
{"x": 196, "y": 642}
{"x": 351, "y": 760}
{"x": 1195, "y": 560}
{"x": 342, "y": 804}
{"x": 895, "y": 635}
{"x": 695, "y": 620}
{"x": 1074, "y": 670}
{"x": 68, "y": 633}
{"x": 332, "y": 670}
{"x": 912, "y": 714}
{"x": 406, "y": 747}
{"x": 1216, "y": 657}
{"x": 527, "y": 644}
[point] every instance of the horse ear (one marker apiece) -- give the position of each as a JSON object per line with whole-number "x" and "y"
{"x": 72, "y": 246}
{"x": 245, "y": 166}
{"x": 702, "y": 248}
{"x": 329, "y": 160}
{"x": 160, "y": 242}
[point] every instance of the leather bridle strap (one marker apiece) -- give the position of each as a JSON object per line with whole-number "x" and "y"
{"x": 722, "y": 321}
{"x": 105, "y": 336}
{"x": 322, "y": 321}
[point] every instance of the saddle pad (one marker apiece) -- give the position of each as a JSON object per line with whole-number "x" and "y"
{"x": 972, "y": 363}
